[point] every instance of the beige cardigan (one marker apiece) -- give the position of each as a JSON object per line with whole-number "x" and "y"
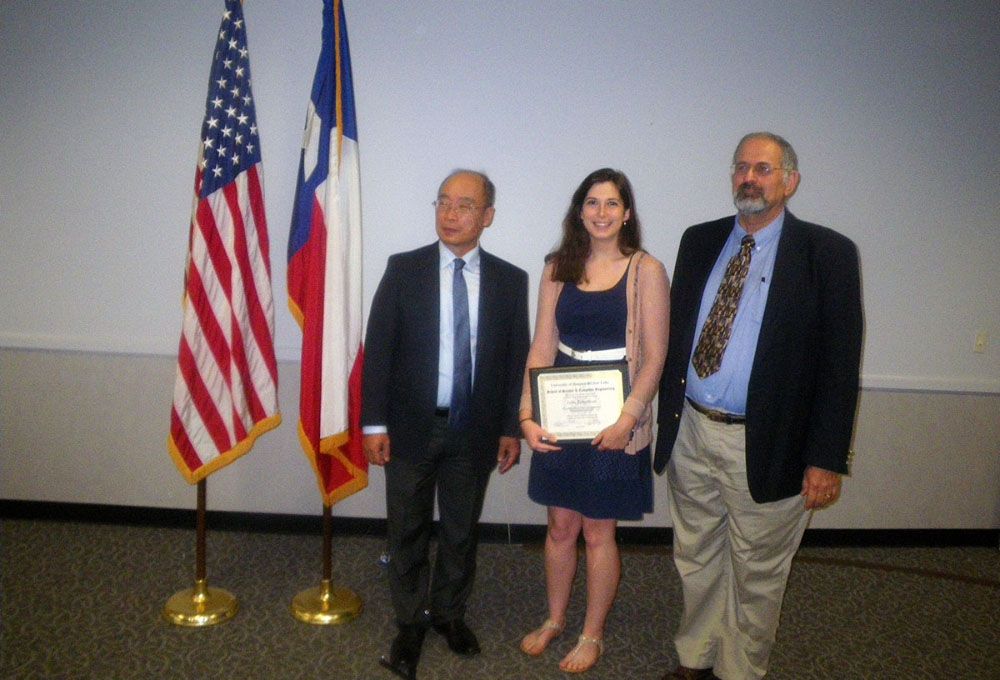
{"x": 646, "y": 327}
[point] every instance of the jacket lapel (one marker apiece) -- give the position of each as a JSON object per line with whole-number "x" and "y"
{"x": 788, "y": 263}
{"x": 428, "y": 300}
{"x": 488, "y": 287}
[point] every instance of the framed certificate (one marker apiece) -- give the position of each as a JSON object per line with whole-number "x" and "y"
{"x": 574, "y": 403}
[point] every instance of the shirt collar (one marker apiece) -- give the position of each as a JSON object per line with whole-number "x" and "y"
{"x": 446, "y": 257}
{"x": 764, "y": 236}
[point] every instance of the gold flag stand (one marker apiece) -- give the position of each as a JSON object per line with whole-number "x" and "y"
{"x": 201, "y": 605}
{"x": 325, "y": 604}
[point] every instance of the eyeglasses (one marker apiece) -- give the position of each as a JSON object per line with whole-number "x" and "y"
{"x": 762, "y": 169}
{"x": 462, "y": 208}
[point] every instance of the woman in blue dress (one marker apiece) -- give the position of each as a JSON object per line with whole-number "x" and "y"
{"x": 601, "y": 299}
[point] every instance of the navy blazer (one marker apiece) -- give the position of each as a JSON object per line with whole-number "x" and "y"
{"x": 803, "y": 391}
{"x": 400, "y": 370}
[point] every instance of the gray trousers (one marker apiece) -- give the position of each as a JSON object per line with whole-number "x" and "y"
{"x": 732, "y": 553}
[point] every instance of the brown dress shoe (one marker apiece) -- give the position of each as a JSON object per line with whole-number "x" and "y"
{"x": 685, "y": 673}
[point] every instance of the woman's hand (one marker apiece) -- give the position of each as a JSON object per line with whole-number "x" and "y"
{"x": 617, "y": 436}
{"x": 537, "y": 438}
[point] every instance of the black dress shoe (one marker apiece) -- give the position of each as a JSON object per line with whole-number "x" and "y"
{"x": 460, "y": 639}
{"x": 405, "y": 651}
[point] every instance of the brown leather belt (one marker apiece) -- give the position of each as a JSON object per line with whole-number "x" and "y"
{"x": 717, "y": 416}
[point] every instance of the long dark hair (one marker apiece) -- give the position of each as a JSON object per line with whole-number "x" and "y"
{"x": 570, "y": 258}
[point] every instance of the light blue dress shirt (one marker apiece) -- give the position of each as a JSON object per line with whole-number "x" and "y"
{"x": 726, "y": 390}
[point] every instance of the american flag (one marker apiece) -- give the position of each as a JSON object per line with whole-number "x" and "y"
{"x": 225, "y": 394}
{"x": 324, "y": 271}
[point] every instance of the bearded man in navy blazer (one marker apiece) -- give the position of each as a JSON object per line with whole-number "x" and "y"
{"x": 756, "y": 439}
{"x": 434, "y": 305}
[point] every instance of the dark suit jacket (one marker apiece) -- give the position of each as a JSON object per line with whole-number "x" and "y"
{"x": 400, "y": 372}
{"x": 804, "y": 381}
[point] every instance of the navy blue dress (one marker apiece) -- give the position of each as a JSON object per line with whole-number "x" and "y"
{"x": 597, "y": 484}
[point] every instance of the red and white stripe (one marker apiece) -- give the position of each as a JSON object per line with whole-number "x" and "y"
{"x": 225, "y": 394}
{"x": 326, "y": 300}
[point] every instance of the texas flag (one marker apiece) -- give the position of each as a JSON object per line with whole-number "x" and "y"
{"x": 324, "y": 271}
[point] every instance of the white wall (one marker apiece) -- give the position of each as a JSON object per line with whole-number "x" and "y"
{"x": 893, "y": 107}
{"x": 79, "y": 427}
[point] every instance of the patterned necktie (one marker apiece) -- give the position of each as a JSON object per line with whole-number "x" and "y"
{"x": 719, "y": 324}
{"x": 459, "y": 416}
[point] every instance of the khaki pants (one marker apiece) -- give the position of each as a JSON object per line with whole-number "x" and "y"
{"x": 732, "y": 553}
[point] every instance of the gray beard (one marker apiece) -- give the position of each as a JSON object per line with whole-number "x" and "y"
{"x": 746, "y": 205}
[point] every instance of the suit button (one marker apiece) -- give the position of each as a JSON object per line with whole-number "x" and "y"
{"x": 677, "y": 416}
{"x": 683, "y": 381}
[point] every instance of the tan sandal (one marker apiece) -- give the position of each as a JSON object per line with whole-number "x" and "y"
{"x": 549, "y": 624}
{"x": 580, "y": 642}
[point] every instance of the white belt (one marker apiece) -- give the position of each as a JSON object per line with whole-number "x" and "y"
{"x": 616, "y": 354}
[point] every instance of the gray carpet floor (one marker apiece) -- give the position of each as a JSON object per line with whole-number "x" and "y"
{"x": 84, "y": 601}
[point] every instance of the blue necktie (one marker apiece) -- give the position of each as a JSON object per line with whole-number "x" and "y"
{"x": 459, "y": 416}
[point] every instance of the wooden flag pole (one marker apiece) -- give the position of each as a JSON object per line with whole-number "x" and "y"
{"x": 325, "y": 604}
{"x": 201, "y": 605}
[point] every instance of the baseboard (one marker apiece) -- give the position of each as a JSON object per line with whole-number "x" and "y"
{"x": 221, "y": 520}
{"x": 216, "y": 520}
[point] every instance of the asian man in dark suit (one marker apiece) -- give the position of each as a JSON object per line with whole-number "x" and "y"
{"x": 445, "y": 349}
{"x": 757, "y": 407}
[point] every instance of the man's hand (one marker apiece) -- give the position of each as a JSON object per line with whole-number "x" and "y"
{"x": 820, "y": 487}
{"x": 508, "y": 453}
{"x": 376, "y": 448}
